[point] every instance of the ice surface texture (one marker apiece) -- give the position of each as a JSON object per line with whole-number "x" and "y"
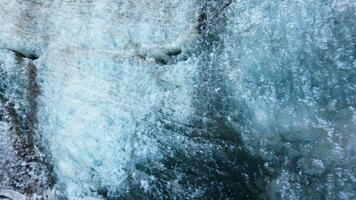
{"x": 178, "y": 99}
{"x": 22, "y": 168}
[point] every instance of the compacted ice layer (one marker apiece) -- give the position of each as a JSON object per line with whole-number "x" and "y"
{"x": 149, "y": 99}
{"x": 105, "y": 83}
{"x": 103, "y": 113}
{"x": 291, "y": 69}
{"x": 22, "y": 168}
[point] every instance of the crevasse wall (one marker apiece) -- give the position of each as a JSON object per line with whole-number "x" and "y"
{"x": 227, "y": 99}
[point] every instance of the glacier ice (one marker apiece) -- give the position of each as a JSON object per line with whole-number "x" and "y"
{"x": 297, "y": 87}
{"x": 178, "y": 99}
{"x": 21, "y": 165}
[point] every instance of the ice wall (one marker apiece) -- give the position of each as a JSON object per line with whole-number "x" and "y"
{"x": 178, "y": 99}
{"x": 290, "y": 68}
{"x": 22, "y": 167}
{"x": 105, "y": 80}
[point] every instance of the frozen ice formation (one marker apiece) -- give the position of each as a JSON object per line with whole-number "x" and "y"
{"x": 177, "y": 99}
{"x": 21, "y": 166}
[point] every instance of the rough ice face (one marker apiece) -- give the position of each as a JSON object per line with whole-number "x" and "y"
{"x": 181, "y": 99}
{"x": 102, "y": 90}
{"x": 290, "y": 67}
{"x": 22, "y": 168}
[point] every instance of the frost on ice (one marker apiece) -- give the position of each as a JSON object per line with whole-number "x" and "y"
{"x": 213, "y": 99}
